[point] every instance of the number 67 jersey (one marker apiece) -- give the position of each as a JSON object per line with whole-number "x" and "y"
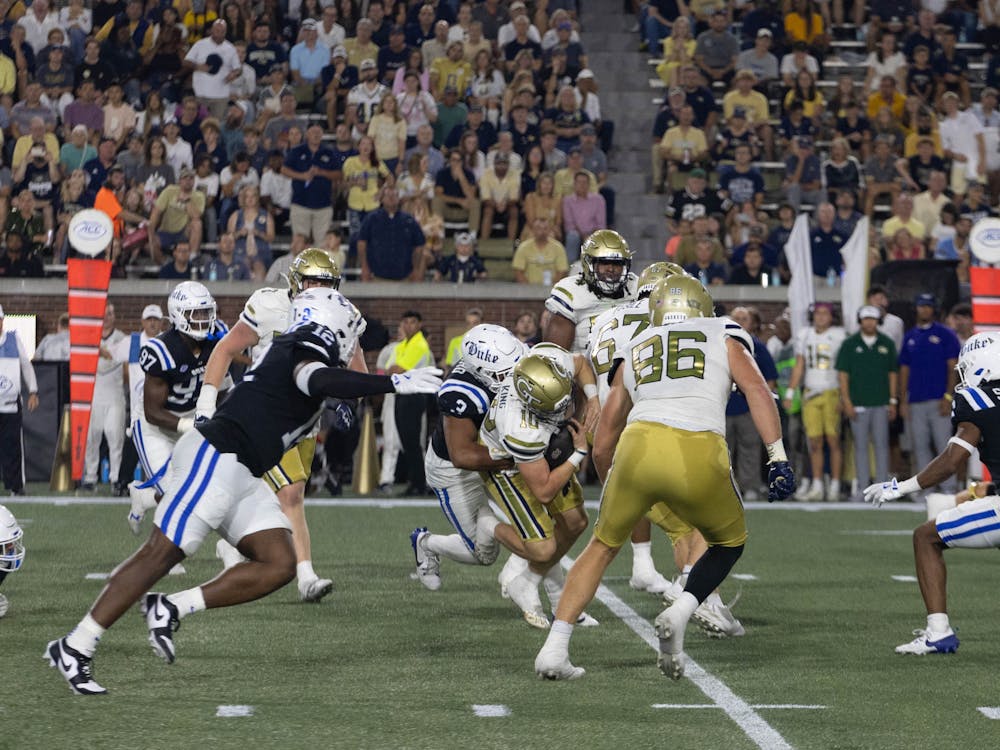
{"x": 678, "y": 374}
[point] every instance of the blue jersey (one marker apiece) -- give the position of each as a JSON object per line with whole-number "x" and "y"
{"x": 461, "y": 396}
{"x": 981, "y": 406}
{"x": 926, "y": 352}
{"x": 168, "y": 357}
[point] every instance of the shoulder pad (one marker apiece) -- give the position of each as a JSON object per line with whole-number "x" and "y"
{"x": 458, "y": 399}
{"x": 266, "y": 310}
{"x": 733, "y": 330}
{"x": 560, "y": 299}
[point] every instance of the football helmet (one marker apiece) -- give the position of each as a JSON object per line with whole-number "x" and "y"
{"x": 979, "y": 360}
{"x": 316, "y": 264}
{"x": 329, "y": 309}
{"x": 543, "y": 386}
{"x": 654, "y": 273}
{"x": 11, "y": 548}
{"x": 490, "y": 352}
{"x": 605, "y": 246}
{"x": 677, "y": 298}
{"x": 192, "y": 310}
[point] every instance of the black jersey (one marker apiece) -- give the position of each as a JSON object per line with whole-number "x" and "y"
{"x": 461, "y": 396}
{"x": 981, "y": 407}
{"x": 267, "y": 413}
{"x": 169, "y": 358}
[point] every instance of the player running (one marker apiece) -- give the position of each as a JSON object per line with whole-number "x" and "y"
{"x": 11, "y": 550}
{"x": 267, "y": 313}
{"x": 214, "y": 482}
{"x": 975, "y": 521}
{"x": 664, "y": 426}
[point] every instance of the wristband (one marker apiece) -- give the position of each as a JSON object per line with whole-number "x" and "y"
{"x": 789, "y": 393}
{"x": 184, "y": 424}
{"x": 909, "y": 486}
{"x": 577, "y": 458}
{"x": 207, "y": 399}
{"x": 776, "y": 452}
{"x": 589, "y": 390}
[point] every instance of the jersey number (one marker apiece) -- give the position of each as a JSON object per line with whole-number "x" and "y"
{"x": 681, "y": 362}
{"x": 604, "y": 351}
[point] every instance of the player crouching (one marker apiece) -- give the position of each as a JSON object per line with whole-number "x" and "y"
{"x": 11, "y": 550}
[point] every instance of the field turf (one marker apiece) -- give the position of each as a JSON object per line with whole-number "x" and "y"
{"x": 383, "y": 663}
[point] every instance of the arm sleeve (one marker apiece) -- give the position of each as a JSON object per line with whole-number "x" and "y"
{"x": 334, "y": 382}
{"x": 27, "y": 371}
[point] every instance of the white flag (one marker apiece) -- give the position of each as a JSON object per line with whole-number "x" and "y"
{"x": 801, "y": 294}
{"x": 855, "y": 282}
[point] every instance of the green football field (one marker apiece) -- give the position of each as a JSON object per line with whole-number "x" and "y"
{"x": 383, "y": 663}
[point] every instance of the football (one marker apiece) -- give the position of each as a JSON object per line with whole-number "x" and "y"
{"x": 560, "y": 447}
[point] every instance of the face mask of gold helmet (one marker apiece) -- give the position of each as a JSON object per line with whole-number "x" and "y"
{"x": 543, "y": 386}
{"x": 654, "y": 273}
{"x": 678, "y": 298}
{"x": 313, "y": 264}
{"x": 606, "y": 259}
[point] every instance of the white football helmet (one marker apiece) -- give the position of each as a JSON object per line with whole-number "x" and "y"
{"x": 11, "y": 548}
{"x": 979, "y": 360}
{"x": 490, "y": 352}
{"x": 330, "y": 309}
{"x": 192, "y": 310}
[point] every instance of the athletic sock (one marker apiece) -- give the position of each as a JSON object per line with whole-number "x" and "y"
{"x": 559, "y": 635}
{"x": 304, "y": 571}
{"x": 487, "y": 523}
{"x": 450, "y": 546}
{"x": 938, "y": 622}
{"x": 85, "y": 636}
{"x": 532, "y": 577}
{"x": 188, "y": 602}
{"x": 686, "y": 604}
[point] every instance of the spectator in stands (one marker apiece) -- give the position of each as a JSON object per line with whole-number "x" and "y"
{"x": 416, "y": 105}
{"x": 215, "y": 64}
{"x": 584, "y": 212}
{"x": 472, "y": 158}
{"x": 825, "y": 242}
{"x": 847, "y": 216}
{"x": 742, "y": 182}
{"x": 465, "y": 266}
{"x": 804, "y": 90}
{"x": 451, "y": 113}
{"x": 567, "y": 118}
{"x": 923, "y": 35}
{"x": 451, "y": 70}
{"x": 959, "y": 320}
{"x": 505, "y": 146}
{"x": 684, "y": 146}
{"x": 543, "y": 202}
{"x": 794, "y": 124}
{"x": 500, "y": 192}
{"x": 393, "y": 56}
{"x": 678, "y": 50}
{"x": 842, "y": 172}
{"x": 425, "y": 147}
{"x": 436, "y": 47}
{"x": 716, "y": 50}
{"x": 422, "y": 29}
{"x": 803, "y": 174}
{"x": 252, "y": 228}
{"x": 565, "y": 177}
{"x": 770, "y": 254}
{"x": 595, "y": 161}
{"x": 226, "y": 266}
{"x": 56, "y": 78}
{"x": 526, "y": 328}
{"x": 36, "y": 135}
{"x": 17, "y": 261}
{"x": 179, "y": 267}
{"x": 263, "y": 52}
{"x": 887, "y": 95}
{"x": 920, "y": 76}
{"x": 754, "y": 106}
{"x": 885, "y": 60}
{"x": 329, "y": 32}
{"x": 55, "y": 346}
{"x": 902, "y": 218}
{"x": 336, "y": 80}
{"x": 945, "y": 228}
{"x": 704, "y": 267}
{"x": 39, "y": 173}
{"x": 388, "y": 131}
{"x": 702, "y": 227}
{"x": 206, "y": 182}
{"x": 964, "y": 143}
{"x": 275, "y": 132}
{"x": 855, "y": 129}
{"x": 477, "y": 123}
{"x": 24, "y": 220}
{"x": 540, "y": 259}
{"x": 957, "y": 246}
{"x": 455, "y": 193}
{"x": 391, "y": 243}
{"x": 736, "y": 131}
{"x": 783, "y": 230}
{"x": 276, "y": 190}
{"x": 928, "y": 204}
{"x": 416, "y": 185}
{"x": 312, "y": 170}
{"x": 902, "y": 245}
{"x": 759, "y": 60}
{"x": 306, "y": 61}
{"x": 795, "y": 62}
{"x": 881, "y": 176}
{"x": 177, "y": 214}
{"x": 753, "y": 271}
{"x": 916, "y": 170}
{"x": 667, "y": 117}
{"x": 975, "y": 203}
{"x": 361, "y": 47}
{"x": 700, "y": 97}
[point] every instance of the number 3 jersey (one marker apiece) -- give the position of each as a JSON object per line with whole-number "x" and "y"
{"x": 819, "y": 351}
{"x": 169, "y": 358}
{"x": 576, "y": 301}
{"x": 511, "y": 431}
{"x": 461, "y": 396}
{"x": 678, "y": 374}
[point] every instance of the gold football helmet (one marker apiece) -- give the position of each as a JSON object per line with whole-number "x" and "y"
{"x": 605, "y": 246}
{"x": 316, "y": 264}
{"x": 677, "y": 298}
{"x": 543, "y": 386}
{"x": 654, "y": 273}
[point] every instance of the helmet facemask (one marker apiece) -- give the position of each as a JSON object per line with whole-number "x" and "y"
{"x": 606, "y": 275}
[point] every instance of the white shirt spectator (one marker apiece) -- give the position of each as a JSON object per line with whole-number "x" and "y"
{"x": 332, "y": 38}
{"x": 279, "y": 269}
{"x": 244, "y": 87}
{"x": 251, "y": 179}
{"x": 179, "y": 154}
{"x": 212, "y": 85}
{"x": 209, "y": 185}
{"x": 788, "y": 65}
{"x": 506, "y": 34}
{"x": 36, "y": 33}
{"x": 54, "y": 347}
{"x": 958, "y": 134}
{"x": 889, "y": 67}
{"x": 277, "y": 187}
{"x": 84, "y": 21}
{"x": 551, "y": 38}
{"x": 515, "y": 161}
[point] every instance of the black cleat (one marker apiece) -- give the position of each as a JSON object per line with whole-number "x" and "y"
{"x": 162, "y": 620}
{"x": 75, "y": 668}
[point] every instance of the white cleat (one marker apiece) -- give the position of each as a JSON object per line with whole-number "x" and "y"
{"x": 928, "y": 642}
{"x": 553, "y": 665}
{"x": 585, "y": 621}
{"x": 229, "y": 555}
{"x": 142, "y": 500}
{"x": 177, "y": 570}
{"x": 670, "y": 630}
{"x": 717, "y": 621}
{"x": 815, "y": 491}
{"x": 428, "y": 563}
{"x": 653, "y": 583}
{"x": 314, "y": 590}
{"x": 673, "y": 591}
{"x": 512, "y": 569}
{"x": 525, "y": 596}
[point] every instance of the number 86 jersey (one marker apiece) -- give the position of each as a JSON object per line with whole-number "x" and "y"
{"x": 678, "y": 374}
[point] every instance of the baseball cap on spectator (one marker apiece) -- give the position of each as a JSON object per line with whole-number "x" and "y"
{"x": 339, "y": 51}
{"x": 367, "y": 64}
{"x": 309, "y": 24}
{"x": 926, "y": 299}
{"x": 115, "y": 168}
{"x": 465, "y": 238}
{"x": 518, "y": 5}
{"x": 764, "y": 32}
{"x": 564, "y": 26}
{"x": 397, "y": 29}
{"x": 697, "y": 172}
{"x": 949, "y": 95}
{"x": 185, "y": 172}
{"x": 501, "y": 157}
{"x": 585, "y": 73}
{"x": 869, "y": 311}
{"x": 588, "y": 129}
{"x": 152, "y": 311}
{"x": 80, "y": 128}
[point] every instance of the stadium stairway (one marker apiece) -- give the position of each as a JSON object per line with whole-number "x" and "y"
{"x": 622, "y": 74}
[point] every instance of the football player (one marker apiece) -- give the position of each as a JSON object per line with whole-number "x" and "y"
{"x": 174, "y": 367}
{"x": 455, "y": 457}
{"x": 612, "y": 331}
{"x": 214, "y": 482}
{"x": 664, "y": 425}
{"x": 972, "y": 523}
{"x": 11, "y": 550}
{"x": 543, "y": 502}
{"x": 605, "y": 281}
{"x": 267, "y": 313}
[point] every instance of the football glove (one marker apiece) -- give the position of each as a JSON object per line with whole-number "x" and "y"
{"x": 417, "y": 380}
{"x": 780, "y": 481}
{"x": 885, "y": 492}
{"x": 343, "y": 417}
{"x": 204, "y": 410}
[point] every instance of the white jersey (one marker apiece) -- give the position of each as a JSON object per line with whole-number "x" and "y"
{"x": 819, "y": 351}
{"x": 126, "y": 352}
{"x": 110, "y": 380}
{"x": 573, "y": 299}
{"x": 678, "y": 374}
{"x": 511, "y": 431}
{"x": 612, "y": 331}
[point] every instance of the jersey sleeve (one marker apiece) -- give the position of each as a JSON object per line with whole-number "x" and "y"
{"x": 310, "y": 344}
{"x": 265, "y": 313}
{"x": 560, "y": 301}
{"x": 974, "y": 406}
{"x": 155, "y": 358}
{"x": 455, "y": 400}
{"x": 733, "y": 330}
{"x": 526, "y": 445}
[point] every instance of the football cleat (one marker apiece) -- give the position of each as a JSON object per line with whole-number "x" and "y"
{"x": 555, "y": 665}
{"x": 514, "y": 567}
{"x": 815, "y": 491}
{"x": 652, "y": 582}
{"x": 75, "y": 668}
{"x": 717, "y": 621}
{"x": 928, "y": 642}
{"x": 142, "y": 500}
{"x": 177, "y": 570}
{"x": 670, "y": 630}
{"x": 525, "y": 596}
{"x": 428, "y": 563}
{"x": 315, "y": 589}
{"x": 586, "y": 621}
{"x": 163, "y": 620}
{"x": 673, "y": 590}
{"x": 229, "y": 555}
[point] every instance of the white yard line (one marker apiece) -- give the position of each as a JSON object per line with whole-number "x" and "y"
{"x": 878, "y": 532}
{"x": 744, "y": 576}
{"x": 759, "y": 731}
{"x": 793, "y": 706}
{"x": 904, "y": 579}
{"x": 234, "y": 711}
{"x": 490, "y": 710}
{"x": 990, "y": 712}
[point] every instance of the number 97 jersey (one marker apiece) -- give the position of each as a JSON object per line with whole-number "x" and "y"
{"x": 678, "y": 374}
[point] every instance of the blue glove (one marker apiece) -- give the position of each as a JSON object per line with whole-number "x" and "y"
{"x": 343, "y": 417}
{"x": 780, "y": 481}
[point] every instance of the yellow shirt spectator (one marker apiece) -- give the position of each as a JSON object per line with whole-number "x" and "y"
{"x": 894, "y": 224}
{"x": 534, "y": 261}
{"x": 896, "y": 106}
{"x": 564, "y": 181}
{"x": 677, "y": 139}
{"x": 446, "y": 72}
{"x": 795, "y": 28}
{"x": 363, "y": 195}
{"x": 387, "y": 134}
{"x": 674, "y": 55}
{"x": 492, "y": 188}
{"x": 811, "y": 108}
{"x": 147, "y": 38}
{"x": 357, "y": 52}
{"x": 413, "y": 352}
{"x": 910, "y": 145}
{"x": 755, "y": 103}
{"x": 8, "y": 75}
{"x": 25, "y": 142}
{"x": 198, "y": 24}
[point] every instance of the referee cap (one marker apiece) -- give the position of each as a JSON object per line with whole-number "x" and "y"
{"x": 152, "y": 311}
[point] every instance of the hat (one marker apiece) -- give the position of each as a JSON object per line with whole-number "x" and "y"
{"x": 152, "y": 311}
{"x": 675, "y": 91}
{"x": 988, "y": 91}
{"x": 805, "y": 141}
{"x": 564, "y": 26}
{"x": 170, "y": 121}
{"x": 309, "y": 24}
{"x": 214, "y": 63}
{"x": 588, "y": 129}
{"x": 115, "y": 168}
{"x": 518, "y": 5}
{"x": 574, "y": 150}
{"x": 585, "y": 73}
{"x": 185, "y": 172}
{"x": 949, "y": 95}
{"x": 465, "y": 238}
{"x": 869, "y": 311}
{"x": 975, "y": 184}
{"x": 80, "y": 128}
{"x": 925, "y": 300}
{"x": 739, "y": 112}
{"x": 367, "y": 64}
{"x": 339, "y": 51}
{"x": 697, "y": 172}
{"x": 764, "y": 32}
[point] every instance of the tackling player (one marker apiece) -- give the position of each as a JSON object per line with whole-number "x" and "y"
{"x": 664, "y": 426}
{"x": 214, "y": 482}
{"x": 267, "y": 313}
{"x": 973, "y": 523}
{"x": 454, "y": 458}
{"x": 11, "y": 550}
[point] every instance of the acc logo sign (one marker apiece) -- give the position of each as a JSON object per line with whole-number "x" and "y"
{"x": 985, "y": 240}
{"x": 90, "y": 232}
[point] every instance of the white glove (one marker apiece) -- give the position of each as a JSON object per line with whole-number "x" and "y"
{"x": 889, "y": 491}
{"x": 418, "y": 380}
{"x": 185, "y": 424}
{"x": 205, "y": 408}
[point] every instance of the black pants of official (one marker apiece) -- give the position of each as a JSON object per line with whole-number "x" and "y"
{"x": 409, "y": 419}
{"x": 11, "y": 456}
